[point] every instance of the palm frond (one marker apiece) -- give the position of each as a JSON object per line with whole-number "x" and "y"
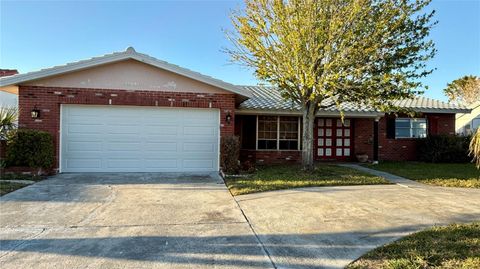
{"x": 475, "y": 148}
{"x": 8, "y": 120}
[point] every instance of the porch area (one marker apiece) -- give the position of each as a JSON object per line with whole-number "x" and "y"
{"x": 273, "y": 139}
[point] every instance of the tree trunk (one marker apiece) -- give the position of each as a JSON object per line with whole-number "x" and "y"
{"x": 307, "y": 136}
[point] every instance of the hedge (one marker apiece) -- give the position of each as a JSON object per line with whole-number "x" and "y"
{"x": 30, "y": 148}
{"x": 444, "y": 149}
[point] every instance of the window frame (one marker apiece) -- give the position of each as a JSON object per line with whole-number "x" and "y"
{"x": 278, "y": 134}
{"x": 410, "y": 128}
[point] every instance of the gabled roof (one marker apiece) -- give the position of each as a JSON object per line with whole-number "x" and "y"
{"x": 269, "y": 99}
{"x": 129, "y": 53}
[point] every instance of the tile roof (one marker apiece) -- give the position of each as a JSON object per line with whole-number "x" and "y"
{"x": 269, "y": 98}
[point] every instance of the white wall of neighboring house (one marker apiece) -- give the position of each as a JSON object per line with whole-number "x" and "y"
{"x": 466, "y": 124}
{"x": 8, "y": 99}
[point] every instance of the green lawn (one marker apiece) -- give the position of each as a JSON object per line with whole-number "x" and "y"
{"x": 269, "y": 178}
{"x": 441, "y": 174}
{"x": 21, "y": 177}
{"x": 6, "y": 187}
{"x": 453, "y": 246}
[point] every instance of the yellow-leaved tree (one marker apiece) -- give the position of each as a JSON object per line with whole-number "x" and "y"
{"x": 369, "y": 52}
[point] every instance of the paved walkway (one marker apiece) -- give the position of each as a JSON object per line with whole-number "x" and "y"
{"x": 392, "y": 178}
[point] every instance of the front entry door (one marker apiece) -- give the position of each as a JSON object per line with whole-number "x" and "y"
{"x": 334, "y": 139}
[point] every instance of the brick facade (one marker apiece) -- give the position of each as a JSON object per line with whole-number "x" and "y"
{"x": 404, "y": 149}
{"x": 49, "y": 99}
{"x": 389, "y": 149}
{"x": 271, "y": 156}
{"x": 362, "y": 137}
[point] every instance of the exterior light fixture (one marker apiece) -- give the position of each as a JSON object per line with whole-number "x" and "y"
{"x": 228, "y": 117}
{"x": 35, "y": 113}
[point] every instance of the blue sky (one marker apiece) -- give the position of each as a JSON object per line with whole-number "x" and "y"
{"x": 39, "y": 34}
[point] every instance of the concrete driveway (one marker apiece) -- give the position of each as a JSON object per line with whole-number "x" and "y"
{"x": 126, "y": 221}
{"x": 329, "y": 227}
{"x": 157, "y": 221}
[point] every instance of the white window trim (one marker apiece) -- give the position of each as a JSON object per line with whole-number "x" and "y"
{"x": 278, "y": 136}
{"x": 410, "y": 128}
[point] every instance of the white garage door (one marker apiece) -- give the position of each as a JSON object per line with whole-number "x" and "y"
{"x": 138, "y": 139}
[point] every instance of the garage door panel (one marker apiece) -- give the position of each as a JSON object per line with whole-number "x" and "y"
{"x": 192, "y": 164}
{"x": 161, "y": 147}
{"x": 136, "y": 139}
{"x": 161, "y": 130}
{"x": 161, "y": 164}
{"x": 123, "y": 146}
{"x": 198, "y": 130}
{"x": 84, "y": 163}
{"x": 78, "y": 120}
{"x": 199, "y": 147}
{"x": 84, "y": 146}
{"x": 199, "y": 116}
{"x": 84, "y": 129}
{"x": 127, "y": 163}
{"x": 123, "y": 129}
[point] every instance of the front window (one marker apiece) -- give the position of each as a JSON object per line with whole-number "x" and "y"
{"x": 267, "y": 132}
{"x": 288, "y": 133}
{"x": 278, "y": 133}
{"x": 410, "y": 128}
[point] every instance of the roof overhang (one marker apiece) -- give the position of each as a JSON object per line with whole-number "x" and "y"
{"x": 350, "y": 114}
{"x": 442, "y": 111}
{"x": 130, "y": 53}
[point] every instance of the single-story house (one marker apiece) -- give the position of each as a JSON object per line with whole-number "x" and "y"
{"x": 129, "y": 112}
{"x": 468, "y": 123}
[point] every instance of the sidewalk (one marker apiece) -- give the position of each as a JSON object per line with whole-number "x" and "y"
{"x": 392, "y": 178}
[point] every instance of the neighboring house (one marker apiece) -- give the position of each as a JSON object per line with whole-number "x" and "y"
{"x": 468, "y": 123}
{"x": 127, "y": 111}
{"x": 9, "y": 94}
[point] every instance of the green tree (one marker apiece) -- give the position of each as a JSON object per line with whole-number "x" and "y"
{"x": 325, "y": 53}
{"x": 465, "y": 90}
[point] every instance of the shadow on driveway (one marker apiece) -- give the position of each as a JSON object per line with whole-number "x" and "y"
{"x": 296, "y": 251}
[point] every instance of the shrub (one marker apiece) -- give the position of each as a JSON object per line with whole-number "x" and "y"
{"x": 30, "y": 148}
{"x": 230, "y": 153}
{"x": 444, "y": 149}
{"x": 474, "y": 149}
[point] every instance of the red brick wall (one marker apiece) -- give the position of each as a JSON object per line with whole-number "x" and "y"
{"x": 48, "y": 100}
{"x": 271, "y": 156}
{"x": 404, "y": 149}
{"x": 441, "y": 124}
{"x": 363, "y": 137}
